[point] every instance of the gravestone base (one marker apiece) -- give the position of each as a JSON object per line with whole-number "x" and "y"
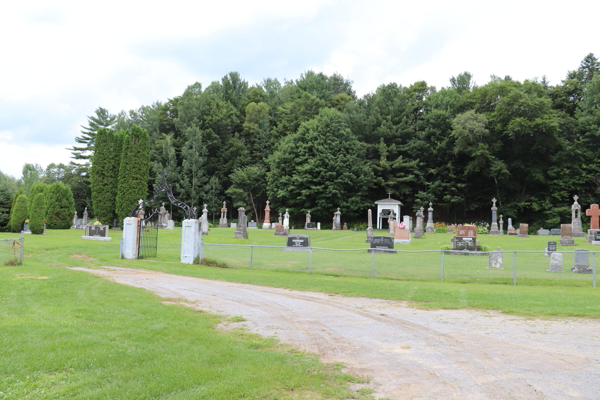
{"x": 557, "y": 263}
{"x": 577, "y": 229}
{"x": 591, "y": 236}
{"x": 494, "y": 230}
{"x": 523, "y": 235}
{"x": 567, "y": 241}
{"x": 581, "y": 269}
{"x": 402, "y": 241}
{"x": 266, "y": 225}
{"x": 419, "y": 234}
{"x": 596, "y": 242}
{"x": 100, "y": 238}
{"x": 512, "y": 232}
{"x": 430, "y": 229}
{"x": 388, "y": 251}
{"x": 496, "y": 260}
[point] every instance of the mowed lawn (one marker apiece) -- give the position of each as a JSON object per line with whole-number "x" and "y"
{"x": 68, "y": 334}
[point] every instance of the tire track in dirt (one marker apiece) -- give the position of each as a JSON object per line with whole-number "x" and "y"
{"x": 407, "y": 353}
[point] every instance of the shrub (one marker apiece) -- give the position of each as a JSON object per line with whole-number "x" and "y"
{"x": 19, "y": 214}
{"x": 37, "y": 188}
{"x": 37, "y": 213}
{"x": 60, "y": 206}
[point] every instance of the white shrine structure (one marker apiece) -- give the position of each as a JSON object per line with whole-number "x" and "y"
{"x": 385, "y": 207}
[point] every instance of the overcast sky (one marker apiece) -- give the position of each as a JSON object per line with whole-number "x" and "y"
{"x": 61, "y": 60}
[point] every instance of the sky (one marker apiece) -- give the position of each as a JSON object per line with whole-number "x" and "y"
{"x": 61, "y": 60}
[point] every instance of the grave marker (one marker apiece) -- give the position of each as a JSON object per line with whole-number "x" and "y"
{"x": 523, "y": 230}
{"x": 594, "y": 213}
{"x": 298, "y": 243}
{"x": 382, "y": 244}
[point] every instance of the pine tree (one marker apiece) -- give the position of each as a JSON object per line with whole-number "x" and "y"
{"x": 133, "y": 172}
{"x": 105, "y": 174}
{"x": 102, "y": 119}
{"x": 5, "y": 207}
{"x": 19, "y": 213}
{"x": 36, "y": 214}
{"x": 60, "y": 206}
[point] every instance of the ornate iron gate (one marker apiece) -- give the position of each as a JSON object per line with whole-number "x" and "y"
{"x": 148, "y": 236}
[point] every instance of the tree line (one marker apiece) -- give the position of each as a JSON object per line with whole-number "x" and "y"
{"x": 312, "y": 144}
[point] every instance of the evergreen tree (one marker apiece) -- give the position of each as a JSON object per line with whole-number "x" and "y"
{"x": 5, "y": 206}
{"x": 36, "y": 214}
{"x": 193, "y": 175}
{"x": 105, "y": 174}
{"x": 37, "y": 188}
{"x": 102, "y": 119}
{"x": 19, "y": 213}
{"x": 14, "y": 201}
{"x": 133, "y": 172}
{"x": 60, "y": 206}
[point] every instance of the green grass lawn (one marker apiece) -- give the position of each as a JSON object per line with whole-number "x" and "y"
{"x": 68, "y": 334}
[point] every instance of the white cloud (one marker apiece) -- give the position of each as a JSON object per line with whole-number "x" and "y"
{"x": 14, "y": 156}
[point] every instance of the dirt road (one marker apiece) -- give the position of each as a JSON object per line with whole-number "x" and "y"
{"x": 407, "y": 353}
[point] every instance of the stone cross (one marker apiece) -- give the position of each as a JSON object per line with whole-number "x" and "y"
{"x": 494, "y": 201}
{"x": 594, "y": 213}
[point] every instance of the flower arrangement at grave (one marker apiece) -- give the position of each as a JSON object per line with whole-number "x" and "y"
{"x": 441, "y": 227}
{"x": 97, "y": 223}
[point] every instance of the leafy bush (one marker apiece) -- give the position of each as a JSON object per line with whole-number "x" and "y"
{"x": 60, "y": 206}
{"x": 19, "y": 214}
{"x": 37, "y": 212}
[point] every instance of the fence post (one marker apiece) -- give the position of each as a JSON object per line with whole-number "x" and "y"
{"x": 310, "y": 261}
{"x": 514, "y": 268}
{"x": 373, "y": 268}
{"x": 594, "y": 270}
{"x": 250, "y": 258}
{"x": 201, "y": 249}
{"x": 441, "y": 265}
{"x": 22, "y": 240}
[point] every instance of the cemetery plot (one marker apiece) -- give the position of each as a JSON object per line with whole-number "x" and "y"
{"x": 534, "y": 265}
{"x": 494, "y": 266}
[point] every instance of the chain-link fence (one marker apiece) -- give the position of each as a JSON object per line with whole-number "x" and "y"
{"x": 577, "y": 268}
{"x": 12, "y": 251}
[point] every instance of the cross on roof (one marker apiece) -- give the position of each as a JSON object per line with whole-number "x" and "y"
{"x": 389, "y": 194}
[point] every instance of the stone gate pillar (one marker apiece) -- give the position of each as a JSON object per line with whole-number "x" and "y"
{"x": 130, "y": 246}
{"x": 190, "y": 241}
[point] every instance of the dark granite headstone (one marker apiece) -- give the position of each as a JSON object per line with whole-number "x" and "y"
{"x": 551, "y": 247}
{"x": 597, "y": 236}
{"x": 382, "y": 244}
{"x": 465, "y": 243}
{"x": 298, "y": 243}
{"x": 555, "y": 232}
{"x": 311, "y": 225}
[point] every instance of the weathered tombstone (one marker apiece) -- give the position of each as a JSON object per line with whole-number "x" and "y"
{"x": 430, "y": 225}
{"x": 494, "y": 229}
{"x": 419, "y": 232}
{"x": 392, "y": 223}
{"x": 450, "y": 228}
{"x": 223, "y": 219}
{"x": 511, "y": 229}
{"x": 318, "y": 226}
{"x": 205, "y": 221}
{"x": 382, "y": 244}
{"x": 96, "y": 232}
{"x": 280, "y": 219}
{"x": 566, "y": 235}
{"x": 298, "y": 243}
{"x": 162, "y": 220}
{"x": 79, "y": 224}
{"x": 337, "y": 220}
{"x": 557, "y": 263}
{"x": 252, "y": 225}
{"x": 280, "y": 230}
{"x": 581, "y": 264}
{"x": 523, "y": 230}
{"x": 233, "y": 225}
{"x": 85, "y": 217}
{"x": 501, "y": 225}
{"x": 345, "y": 226}
{"x": 594, "y": 213}
{"x": 555, "y": 232}
{"x": 496, "y": 259}
{"x": 26, "y": 227}
{"x": 543, "y": 232}
{"x": 241, "y": 231}
{"x": 370, "y": 226}
{"x": 273, "y": 225}
{"x": 170, "y": 224}
{"x": 74, "y": 220}
{"x": 311, "y": 226}
{"x": 402, "y": 236}
{"x": 576, "y": 218}
{"x": 267, "y": 222}
{"x": 307, "y": 222}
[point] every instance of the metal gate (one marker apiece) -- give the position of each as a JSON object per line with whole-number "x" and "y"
{"x": 148, "y": 236}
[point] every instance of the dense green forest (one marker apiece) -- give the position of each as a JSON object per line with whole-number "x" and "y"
{"x": 312, "y": 144}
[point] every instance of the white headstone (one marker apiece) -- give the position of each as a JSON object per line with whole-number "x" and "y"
{"x": 318, "y": 226}
{"x": 190, "y": 240}
{"x": 170, "y": 224}
{"x": 130, "y": 242}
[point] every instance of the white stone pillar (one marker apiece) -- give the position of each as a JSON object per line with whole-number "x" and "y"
{"x": 190, "y": 240}
{"x": 131, "y": 242}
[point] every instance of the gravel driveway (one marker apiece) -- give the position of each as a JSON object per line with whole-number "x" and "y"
{"x": 407, "y": 353}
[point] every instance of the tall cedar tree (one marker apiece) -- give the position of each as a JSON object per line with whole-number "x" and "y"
{"x": 36, "y": 214}
{"x": 19, "y": 213}
{"x": 133, "y": 173}
{"x": 37, "y": 188}
{"x": 60, "y": 206}
{"x": 105, "y": 174}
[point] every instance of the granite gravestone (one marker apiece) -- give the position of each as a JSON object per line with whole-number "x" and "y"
{"x": 298, "y": 243}
{"x": 464, "y": 243}
{"x": 581, "y": 264}
{"x": 241, "y": 231}
{"x": 223, "y": 219}
{"x": 544, "y": 232}
{"x": 594, "y": 213}
{"x": 370, "y": 226}
{"x": 501, "y": 225}
{"x": 430, "y": 225}
{"x": 311, "y": 226}
{"x": 566, "y": 235}
{"x": 554, "y": 232}
{"x": 496, "y": 259}
{"x": 576, "y": 218}
{"x": 267, "y": 222}
{"x": 494, "y": 229}
{"x": 382, "y": 244}
{"x": 402, "y": 235}
{"x": 419, "y": 231}
{"x": 511, "y": 229}
{"x": 74, "y": 220}
{"x": 337, "y": 220}
{"x": 551, "y": 247}
{"x": 97, "y": 232}
{"x": 252, "y": 225}
{"x": 523, "y": 230}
